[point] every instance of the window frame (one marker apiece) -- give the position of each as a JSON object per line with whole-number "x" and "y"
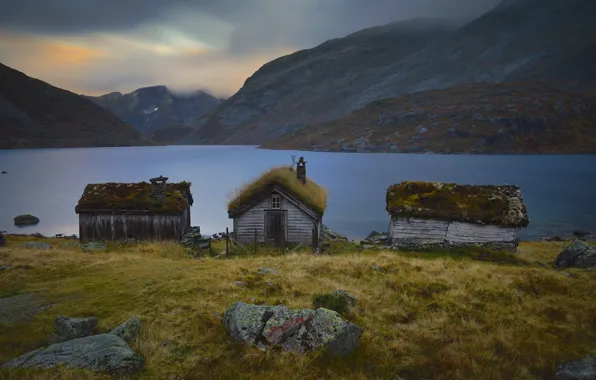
{"x": 275, "y": 199}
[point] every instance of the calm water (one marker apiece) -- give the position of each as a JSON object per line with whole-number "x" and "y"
{"x": 559, "y": 190}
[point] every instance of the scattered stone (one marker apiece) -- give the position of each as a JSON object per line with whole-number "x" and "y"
{"x": 295, "y": 330}
{"x": 543, "y": 265}
{"x": 21, "y": 308}
{"x": 129, "y": 330}
{"x": 584, "y": 369}
{"x": 149, "y": 282}
{"x": 331, "y": 235}
{"x": 590, "y": 269}
{"x": 264, "y": 271}
{"x": 240, "y": 284}
{"x": 25, "y": 220}
{"x": 66, "y": 328}
{"x": 581, "y": 234}
{"x": 37, "y": 245}
{"x": 3, "y": 267}
{"x": 164, "y": 343}
{"x": 554, "y": 238}
{"x": 349, "y": 297}
{"x": 578, "y": 254}
{"x": 99, "y": 353}
{"x": 94, "y": 246}
{"x": 374, "y": 238}
{"x": 376, "y": 268}
{"x": 194, "y": 240}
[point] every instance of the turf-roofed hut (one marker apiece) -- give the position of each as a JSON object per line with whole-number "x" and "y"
{"x": 281, "y": 206}
{"x": 427, "y": 214}
{"x": 141, "y": 211}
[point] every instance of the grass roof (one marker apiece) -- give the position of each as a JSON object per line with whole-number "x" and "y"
{"x": 499, "y": 205}
{"x": 311, "y": 194}
{"x": 134, "y": 197}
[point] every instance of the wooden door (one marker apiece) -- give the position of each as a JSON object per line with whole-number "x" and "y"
{"x": 276, "y": 227}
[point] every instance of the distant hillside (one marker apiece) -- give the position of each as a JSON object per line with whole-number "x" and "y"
{"x": 152, "y": 108}
{"x": 520, "y": 40}
{"x": 34, "y": 114}
{"x": 170, "y": 135}
{"x": 477, "y": 118}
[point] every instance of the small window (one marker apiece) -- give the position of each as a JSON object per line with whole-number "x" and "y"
{"x": 275, "y": 202}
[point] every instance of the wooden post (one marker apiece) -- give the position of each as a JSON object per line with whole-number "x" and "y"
{"x": 227, "y": 240}
{"x": 313, "y": 240}
{"x": 255, "y": 241}
{"x": 283, "y": 240}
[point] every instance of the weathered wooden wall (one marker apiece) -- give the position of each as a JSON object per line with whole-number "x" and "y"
{"x": 299, "y": 225}
{"x": 141, "y": 227}
{"x": 430, "y": 232}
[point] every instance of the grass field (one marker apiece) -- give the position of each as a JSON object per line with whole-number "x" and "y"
{"x": 433, "y": 315}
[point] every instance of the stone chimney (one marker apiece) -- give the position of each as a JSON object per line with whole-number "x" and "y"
{"x": 301, "y": 170}
{"x": 158, "y": 188}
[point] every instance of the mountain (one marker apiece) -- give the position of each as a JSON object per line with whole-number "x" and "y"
{"x": 34, "y": 114}
{"x": 171, "y": 135}
{"x": 549, "y": 41}
{"x": 152, "y": 108}
{"x": 475, "y": 118}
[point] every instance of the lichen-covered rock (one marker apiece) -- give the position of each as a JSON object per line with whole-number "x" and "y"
{"x": 584, "y": 369}
{"x": 578, "y": 254}
{"x": 66, "y": 328}
{"x": 98, "y": 353}
{"x": 245, "y": 322}
{"x": 194, "y": 240}
{"x": 295, "y": 330}
{"x": 375, "y": 238}
{"x": 129, "y": 330}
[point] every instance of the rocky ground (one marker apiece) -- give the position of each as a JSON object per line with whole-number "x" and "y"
{"x": 355, "y": 311}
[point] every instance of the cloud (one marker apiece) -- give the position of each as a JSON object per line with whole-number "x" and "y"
{"x": 95, "y": 46}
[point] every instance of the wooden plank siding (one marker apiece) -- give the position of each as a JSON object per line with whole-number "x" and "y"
{"x": 121, "y": 226}
{"x": 298, "y": 224}
{"x": 431, "y": 232}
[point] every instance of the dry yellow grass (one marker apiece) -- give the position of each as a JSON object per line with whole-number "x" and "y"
{"x": 310, "y": 193}
{"x": 424, "y": 316}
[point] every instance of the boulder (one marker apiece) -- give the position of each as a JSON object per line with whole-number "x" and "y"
{"x": 25, "y": 220}
{"x": 37, "y": 245}
{"x": 295, "y": 330}
{"x": 578, "y": 254}
{"x": 99, "y": 353}
{"x": 129, "y": 330}
{"x": 66, "y": 328}
{"x": 584, "y": 369}
{"x": 194, "y": 240}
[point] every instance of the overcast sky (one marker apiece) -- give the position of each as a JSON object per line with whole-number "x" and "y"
{"x": 99, "y": 46}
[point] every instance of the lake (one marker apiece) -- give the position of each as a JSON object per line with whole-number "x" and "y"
{"x": 559, "y": 190}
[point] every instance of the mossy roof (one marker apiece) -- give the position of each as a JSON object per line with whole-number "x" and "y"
{"x": 134, "y": 197}
{"x": 489, "y": 204}
{"x": 310, "y": 194}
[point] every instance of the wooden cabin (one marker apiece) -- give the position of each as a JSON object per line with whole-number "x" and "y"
{"x": 281, "y": 206}
{"x": 141, "y": 211}
{"x": 427, "y": 214}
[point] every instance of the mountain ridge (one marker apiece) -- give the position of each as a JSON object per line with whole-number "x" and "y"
{"x": 35, "y": 114}
{"x": 514, "y": 42}
{"x": 153, "y": 108}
